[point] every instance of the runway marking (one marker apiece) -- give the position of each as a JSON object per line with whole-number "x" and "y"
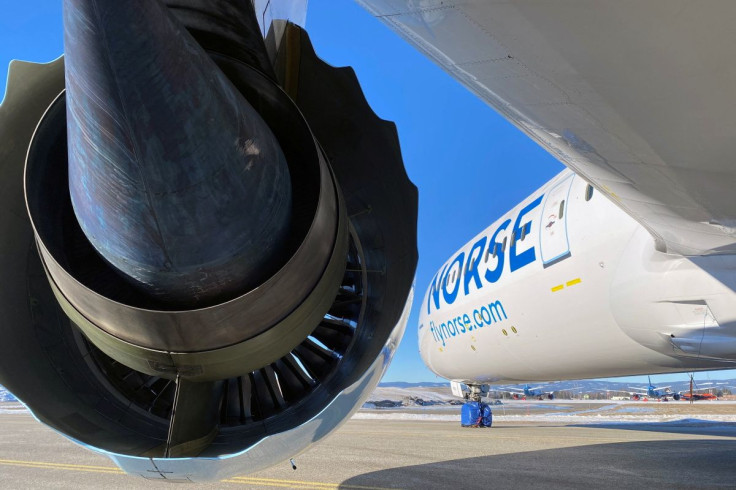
{"x": 63, "y": 466}
{"x": 270, "y": 482}
{"x": 242, "y": 480}
{"x": 264, "y": 484}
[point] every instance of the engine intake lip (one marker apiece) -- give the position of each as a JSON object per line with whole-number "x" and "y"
{"x": 242, "y": 334}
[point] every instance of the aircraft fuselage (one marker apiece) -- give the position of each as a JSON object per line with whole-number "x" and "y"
{"x": 566, "y": 285}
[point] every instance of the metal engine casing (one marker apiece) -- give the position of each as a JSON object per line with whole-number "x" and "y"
{"x": 70, "y": 385}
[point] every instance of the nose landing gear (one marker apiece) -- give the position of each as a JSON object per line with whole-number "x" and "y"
{"x": 474, "y": 413}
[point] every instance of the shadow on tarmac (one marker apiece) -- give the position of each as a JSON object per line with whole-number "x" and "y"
{"x": 686, "y": 426}
{"x": 659, "y": 464}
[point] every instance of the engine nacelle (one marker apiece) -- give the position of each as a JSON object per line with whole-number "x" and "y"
{"x": 202, "y": 389}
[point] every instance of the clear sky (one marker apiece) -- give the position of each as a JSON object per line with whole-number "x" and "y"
{"x": 469, "y": 164}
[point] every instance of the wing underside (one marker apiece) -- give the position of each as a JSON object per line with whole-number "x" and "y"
{"x": 638, "y": 97}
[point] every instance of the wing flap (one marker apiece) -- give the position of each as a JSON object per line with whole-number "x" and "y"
{"x": 636, "y": 97}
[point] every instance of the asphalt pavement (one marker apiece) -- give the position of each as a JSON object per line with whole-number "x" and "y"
{"x": 381, "y": 454}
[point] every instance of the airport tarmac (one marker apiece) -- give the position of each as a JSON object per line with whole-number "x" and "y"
{"x": 375, "y": 454}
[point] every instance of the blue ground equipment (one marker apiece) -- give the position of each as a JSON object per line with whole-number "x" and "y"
{"x": 476, "y": 414}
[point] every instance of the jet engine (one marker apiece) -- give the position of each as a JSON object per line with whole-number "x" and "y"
{"x": 209, "y": 239}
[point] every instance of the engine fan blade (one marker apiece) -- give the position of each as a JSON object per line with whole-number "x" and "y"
{"x": 194, "y": 418}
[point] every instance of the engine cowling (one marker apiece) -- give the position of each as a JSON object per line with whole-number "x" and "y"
{"x": 177, "y": 385}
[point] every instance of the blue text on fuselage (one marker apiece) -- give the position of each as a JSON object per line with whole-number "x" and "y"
{"x": 448, "y": 291}
{"x": 488, "y": 314}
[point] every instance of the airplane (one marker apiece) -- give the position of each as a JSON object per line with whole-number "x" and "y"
{"x": 622, "y": 263}
{"x": 619, "y": 265}
{"x": 651, "y": 391}
{"x": 531, "y": 392}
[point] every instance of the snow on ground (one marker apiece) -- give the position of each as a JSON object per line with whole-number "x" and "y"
{"x": 434, "y": 404}
{"x": 12, "y": 408}
{"x": 558, "y": 418}
{"x": 425, "y": 397}
{"x": 401, "y": 404}
{"x": 424, "y": 393}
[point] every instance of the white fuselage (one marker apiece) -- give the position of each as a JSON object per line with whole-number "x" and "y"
{"x": 579, "y": 290}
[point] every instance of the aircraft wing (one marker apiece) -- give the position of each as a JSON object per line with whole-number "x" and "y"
{"x": 637, "y": 97}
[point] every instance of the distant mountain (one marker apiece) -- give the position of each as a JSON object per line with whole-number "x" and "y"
{"x": 589, "y": 386}
{"x": 404, "y": 384}
{"x": 585, "y": 386}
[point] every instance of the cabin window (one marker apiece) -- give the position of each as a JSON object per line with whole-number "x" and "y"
{"x": 588, "y": 192}
{"x": 523, "y": 234}
{"x": 495, "y": 249}
{"x": 562, "y": 209}
{"x": 513, "y": 238}
{"x": 488, "y": 253}
{"x": 503, "y": 247}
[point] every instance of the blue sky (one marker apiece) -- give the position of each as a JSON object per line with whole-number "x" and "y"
{"x": 469, "y": 164}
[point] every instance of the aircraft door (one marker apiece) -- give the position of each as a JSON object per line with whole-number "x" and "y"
{"x": 554, "y": 244}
